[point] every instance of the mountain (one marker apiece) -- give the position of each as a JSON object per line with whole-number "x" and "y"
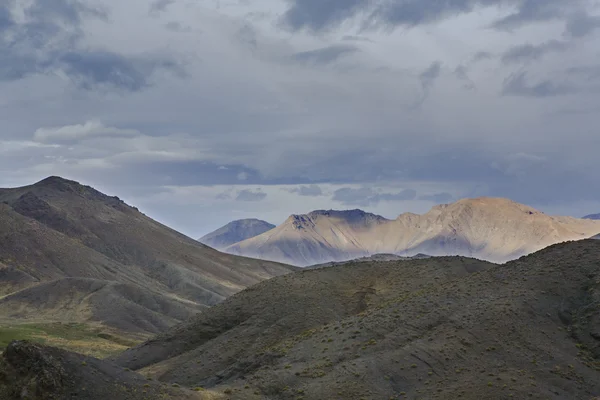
{"x": 69, "y": 253}
{"x": 315, "y": 238}
{"x": 234, "y": 232}
{"x": 592, "y": 216}
{"x": 436, "y": 328}
{"x": 492, "y": 229}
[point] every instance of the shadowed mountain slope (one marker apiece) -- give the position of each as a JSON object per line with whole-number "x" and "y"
{"x": 437, "y": 328}
{"x": 234, "y": 232}
{"x": 73, "y": 246}
{"x": 492, "y": 229}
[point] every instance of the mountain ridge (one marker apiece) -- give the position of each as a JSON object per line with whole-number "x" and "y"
{"x": 493, "y": 229}
{"x": 65, "y": 242}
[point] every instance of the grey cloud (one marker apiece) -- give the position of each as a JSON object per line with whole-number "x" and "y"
{"x": 175, "y": 26}
{"x": 366, "y": 196}
{"x": 582, "y": 24}
{"x": 249, "y": 195}
{"x": 461, "y": 73}
{"x": 529, "y": 52}
{"x": 318, "y": 16}
{"x": 159, "y": 6}
{"x": 6, "y": 19}
{"x": 481, "y": 55}
{"x": 438, "y": 198}
{"x": 49, "y": 42}
{"x": 427, "y": 78}
{"x": 354, "y": 38}
{"x": 88, "y": 69}
{"x": 517, "y": 85}
{"x": 587, "y": 72}
{"x": 537, "y": 11}
{"x": 311, "y": 191}
{"x": 325, "y": 55}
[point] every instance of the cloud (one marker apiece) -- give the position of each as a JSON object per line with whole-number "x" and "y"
{"x": 517, "y": 85}
{"x": 310, "y": 191}
{"x": 249, "y": 195}
{"x": 159, "y": 6}
{"x": 461, "y": 73}
{"x": 427, "y": 78}
{"x": 48, "y": 42}
{"x": 529, "y": 52}
{"x": 90, "y": 129}
{"x": 439, "y": 198}
{"x": 325, "y": 55}
{"x": 582, "y": 24}
{"x": 366, "y": 196}
{"x": 318, "y": 16}
{"x": 100, "y": 68}
{"x": 536, "y": 11}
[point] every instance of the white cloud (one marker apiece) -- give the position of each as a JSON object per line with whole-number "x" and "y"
{"x": 88, "y": 130}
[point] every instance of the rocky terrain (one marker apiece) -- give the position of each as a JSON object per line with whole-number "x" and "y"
{"x": 69, "y": 253}
{"x": 436, "y": 328}
{"x": 492, "y": 229}
{"x": 234, "y": 232}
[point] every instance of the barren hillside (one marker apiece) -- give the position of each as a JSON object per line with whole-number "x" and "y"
{"x": 437, "y": 328}
{"x": 70, "y": 253}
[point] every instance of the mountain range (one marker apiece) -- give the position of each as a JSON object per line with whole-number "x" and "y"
{"x": 433, "y": 328}
{"x": 493, "y": 229}
{"x": 592, "y": 216}
{"x": 235, "y": 231}
{"x": 69, "y": 253}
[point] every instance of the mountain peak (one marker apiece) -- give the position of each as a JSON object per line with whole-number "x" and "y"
{"x": 236, "y": 231}
{"x": 55, "y": 181}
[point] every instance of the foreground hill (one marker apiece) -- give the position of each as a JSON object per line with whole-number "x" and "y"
{"x": 492, "y": 229}
{"x": 70, "y": 253}
{"x": 234, "y": 232}
{"x": 438, "y": 328}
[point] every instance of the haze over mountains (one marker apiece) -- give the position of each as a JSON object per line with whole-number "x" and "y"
{"x": 234, "y": 232}
{"x": 70, "y": 253}
{"x": 493, "y": 229}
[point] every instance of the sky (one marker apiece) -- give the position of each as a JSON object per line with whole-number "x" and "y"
{"x": 200, "y": 112}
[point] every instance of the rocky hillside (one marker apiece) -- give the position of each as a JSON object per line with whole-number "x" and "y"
{"x": 437, "y": 328}
{"x": 234, "y": 232}
{"x": 70, "y": 253}
{"x": 492, "y": 229}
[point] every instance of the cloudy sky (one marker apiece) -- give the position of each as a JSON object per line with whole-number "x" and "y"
{"x": 204, "y": 111}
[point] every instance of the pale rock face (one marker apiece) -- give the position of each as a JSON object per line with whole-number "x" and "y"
{"x": 493, "y": 229}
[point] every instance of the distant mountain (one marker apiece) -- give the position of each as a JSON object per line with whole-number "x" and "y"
{"x": 592, "y": 216}
{"x": 234, "y": 232}
{"x": 492, "y": 229}
{"x": 69, "y": 253}
{"x": 318, "y": 237}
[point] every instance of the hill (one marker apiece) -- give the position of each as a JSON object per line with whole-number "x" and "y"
{"x": 234, "y": 232}
{"x": 592, "y": 216}
{"x": 72, "y": 254}
{"x": 437, "y": 328}
{"x": 492, "y": 229}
